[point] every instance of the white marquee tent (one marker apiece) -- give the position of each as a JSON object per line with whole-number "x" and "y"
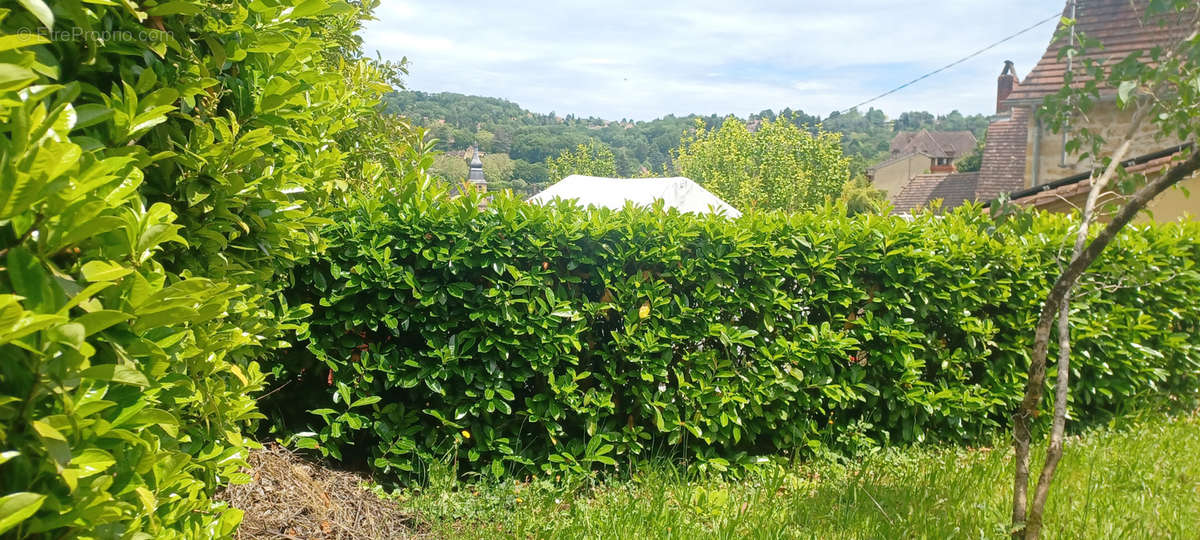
{"x": 680, "y": 193}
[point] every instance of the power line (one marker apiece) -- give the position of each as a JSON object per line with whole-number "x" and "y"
{"x": 955, "y": 63}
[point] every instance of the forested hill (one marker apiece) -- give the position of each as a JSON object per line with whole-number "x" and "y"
{"x": 501, "y": 126}
{"x": 528, "y": 138}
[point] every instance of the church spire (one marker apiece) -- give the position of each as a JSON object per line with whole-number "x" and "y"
{"x": 475, "y": 174}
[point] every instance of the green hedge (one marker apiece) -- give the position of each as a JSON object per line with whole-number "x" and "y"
{"x": 523, "y": 337}
{"x": 162, "y": 167}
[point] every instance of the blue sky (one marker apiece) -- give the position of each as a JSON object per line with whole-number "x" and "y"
{"x": 645, "y": 59}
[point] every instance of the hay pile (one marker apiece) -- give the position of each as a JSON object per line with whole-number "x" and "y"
{"x": 292, "y": 498}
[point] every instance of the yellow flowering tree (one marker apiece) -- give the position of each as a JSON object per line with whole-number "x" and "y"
{"x": 777, "y": 166}
{"x": 591, "y": 159}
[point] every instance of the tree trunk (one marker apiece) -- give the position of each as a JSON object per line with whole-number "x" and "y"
{"x": 1054, "y": 305}
{"x": 1054, "y": 453}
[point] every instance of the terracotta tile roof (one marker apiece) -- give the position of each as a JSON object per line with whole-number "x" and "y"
{"x": 1003, "y": 166}
{"x": 1076, "y": 192}
{"x": 944, "y": 144}
{"x": 1154, "y": 166}
{"x": 1118, "y": 25}
{"x": 916, "y": 192}
{"x": 896, "y": 159}
{"x": 952, "y": 189}
{"x": 1071, "y": 194}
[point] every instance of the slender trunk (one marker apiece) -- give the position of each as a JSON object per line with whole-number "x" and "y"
{"x": 1021, "y": 435}
{"x": 1054, "y": 302}
{"x": 1054, "y": 453}
{"x": 1021, "y": 439}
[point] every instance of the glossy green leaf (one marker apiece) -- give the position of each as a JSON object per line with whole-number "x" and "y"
{"x": 104, "y": 271}
{"x": 118, "y": 373}
{"x": 40, "y": 10}
{"x": 17, "y": 507}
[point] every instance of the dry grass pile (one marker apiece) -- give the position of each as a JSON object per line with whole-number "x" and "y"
{"x": 292, "y": 498}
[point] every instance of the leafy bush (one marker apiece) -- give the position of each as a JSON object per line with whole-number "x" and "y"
{"x": 521, "y": 337}
{"x": 160, "y": 168}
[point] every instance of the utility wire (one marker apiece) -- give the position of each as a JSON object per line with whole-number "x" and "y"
{"x": 955, "y": 63}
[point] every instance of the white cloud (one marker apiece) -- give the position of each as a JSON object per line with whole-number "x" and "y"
{"x": 419, "y": 44}
{"x": 811, "y": 86}
{"x": 637, "y": 59}
{"x": 396, "y": 11}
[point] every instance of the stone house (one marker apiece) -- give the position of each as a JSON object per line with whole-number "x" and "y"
{"x": 1026, "y": 160}
{"x": 920, "y": 152}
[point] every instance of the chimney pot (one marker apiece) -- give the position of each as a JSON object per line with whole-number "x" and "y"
{"x": 1005, "y": 85}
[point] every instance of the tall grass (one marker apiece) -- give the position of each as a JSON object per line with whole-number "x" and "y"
{"x": 1137, "y": 480}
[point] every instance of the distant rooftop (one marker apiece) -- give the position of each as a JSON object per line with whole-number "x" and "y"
{"x": 938, "y": 144}
{"x": 952, "y": 189}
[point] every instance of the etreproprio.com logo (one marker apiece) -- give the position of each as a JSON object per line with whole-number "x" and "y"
{"x": 79, "y": 34}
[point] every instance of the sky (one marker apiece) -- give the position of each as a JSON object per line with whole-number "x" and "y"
{"x": 640, "y": 60}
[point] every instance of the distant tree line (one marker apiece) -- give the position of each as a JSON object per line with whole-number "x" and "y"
{"x": 531, "y": 141}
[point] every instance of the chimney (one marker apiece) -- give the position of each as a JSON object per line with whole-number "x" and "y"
{"x": 1005, "y": 85}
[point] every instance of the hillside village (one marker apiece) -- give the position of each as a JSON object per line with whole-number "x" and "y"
{"x": 1016, "y": 155}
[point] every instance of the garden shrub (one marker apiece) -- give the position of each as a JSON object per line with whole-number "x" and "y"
{"x": 162, "y": 165}
{"x": 523, "y": 337}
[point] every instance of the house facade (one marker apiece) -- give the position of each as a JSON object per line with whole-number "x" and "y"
{"x": 1026, "y": 160}
{"x": 920, "y": 152}
{"x": 1058, "y": 180}
{"x": 892, "y": 175}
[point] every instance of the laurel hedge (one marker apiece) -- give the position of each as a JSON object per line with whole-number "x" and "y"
{"x": 162, "y": 168}
{"x": 522, "y": 338}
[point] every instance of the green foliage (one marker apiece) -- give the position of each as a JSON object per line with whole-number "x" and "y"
{"x": 161, "y": 167}
{"x": 450, "y": 168}
{"x": 860, "y": 197}
{"x": 955, "y": 121}
{"x": 777, "y": 167}
{"x": 499, "y": 169}
{"x": 381, "y": 150}
{"x": 535, "y": 176}
{"x": 974, "y": 161}
{"x": 589, "y": 159}
{"x": 524, "y": 337}
{"x": 500, "y": 126}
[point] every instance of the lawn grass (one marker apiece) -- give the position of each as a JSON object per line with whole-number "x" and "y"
{"x": 1138, "y": 479}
